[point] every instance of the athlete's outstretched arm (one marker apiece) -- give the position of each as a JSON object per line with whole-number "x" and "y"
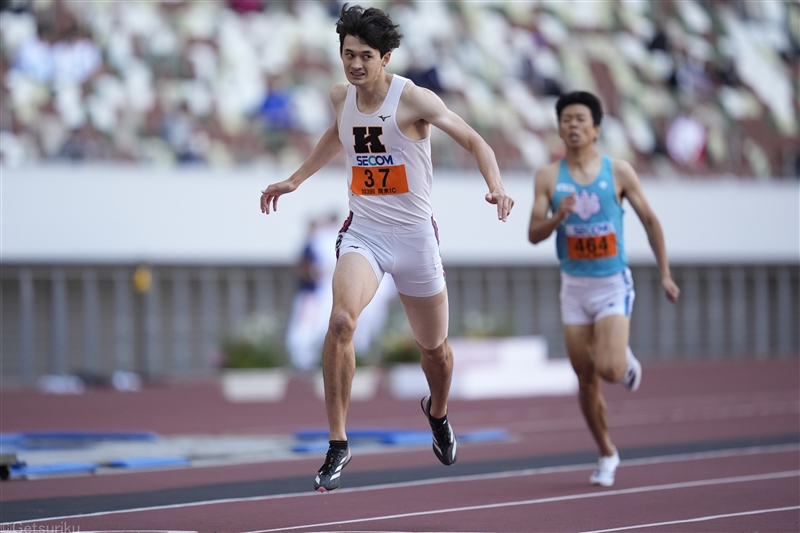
{"x": 327, "y": 147}
{"x": 429, "y": 107}
{"x": 541, "y": 226}
{"x": 632, "y": 190}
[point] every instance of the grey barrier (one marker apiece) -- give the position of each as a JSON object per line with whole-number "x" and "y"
{"x": 165, "y": 321}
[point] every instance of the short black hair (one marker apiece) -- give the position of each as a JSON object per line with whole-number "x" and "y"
{"x": 371, "y": 26}
{"x": 581, "y": 97}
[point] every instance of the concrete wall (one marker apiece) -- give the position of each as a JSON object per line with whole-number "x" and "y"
{"x": 200, "y": 216}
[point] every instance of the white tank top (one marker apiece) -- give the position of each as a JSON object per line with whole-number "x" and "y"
{"x": 389, "y": 175}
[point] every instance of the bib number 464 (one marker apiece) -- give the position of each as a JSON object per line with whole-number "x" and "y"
{"x": 593, "y": 247}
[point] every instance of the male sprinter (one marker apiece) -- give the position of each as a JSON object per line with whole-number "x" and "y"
{"x": 384, "y": 121}
{"x": 584, "y": 192}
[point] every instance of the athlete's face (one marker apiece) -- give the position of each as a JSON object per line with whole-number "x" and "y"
{"x": 362, "y": 64}
{"x": 576, "y": 126}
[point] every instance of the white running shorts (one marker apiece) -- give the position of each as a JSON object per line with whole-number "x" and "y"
{"x": 585, "y": 299}
{"x": 409, "y": 253}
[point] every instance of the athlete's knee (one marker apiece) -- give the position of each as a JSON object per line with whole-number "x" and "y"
{"x": 342, "y": 325}
{"x": 611, "y": 369}
{"x": 438, "y": 355}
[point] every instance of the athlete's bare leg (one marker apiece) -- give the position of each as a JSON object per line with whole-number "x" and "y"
{"x": 579, "y": 341}
{"x": 354, "y": 285}
{"x": 598, "y": 352}
{"x": 611, "y": 336}
{"x": 429, "y": 317}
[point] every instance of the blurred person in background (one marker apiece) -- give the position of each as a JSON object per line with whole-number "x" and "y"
{"x": 383, "y": 121}
{"x": 178, "y": 128}
{"x": 584, "y": 193}
{"x": 313, "y": 300}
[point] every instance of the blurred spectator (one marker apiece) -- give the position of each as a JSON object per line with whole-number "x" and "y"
{"x": 686, "y": 141}
{"x": 660, "y": 41}
{"x": 35, "y": 57}
{"x": 541, "y": 83}
{"x": 234, "y": 82}
{"x": 85, "y": 144}
{"x": 15, "y": 5}
{"x": 724, "y": 72}
{"x": 247, "y": 6}
{"x": 277, "y": 114}
{"x": 75, "y": 58}
{"x": 424, "y": 73}
{"x": 690, "y": 77}
{"x": 276, "y": 111}
{"x": 313, "y": 301}
{"x": 178, "y": 129}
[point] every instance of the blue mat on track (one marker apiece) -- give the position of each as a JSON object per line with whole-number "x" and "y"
{"x": 50, "y": 440}
{"x": 23, "y": 470}
{"x": 315, "y": 440}
{"x": 149, "y": 462}
{"x": 355, "y": 433}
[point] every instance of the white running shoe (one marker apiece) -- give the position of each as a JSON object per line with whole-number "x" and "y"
{"x": 606, "y": 469}
{"x": 633, "y": 375}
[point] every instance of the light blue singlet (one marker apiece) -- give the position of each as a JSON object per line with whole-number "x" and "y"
{"x": 589, "y": 242}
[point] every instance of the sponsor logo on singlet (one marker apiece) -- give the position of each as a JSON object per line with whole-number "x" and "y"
{"x": 379, "y": 173}
{"x": 586, "y": 204}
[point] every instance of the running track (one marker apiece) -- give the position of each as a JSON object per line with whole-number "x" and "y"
{"x": 705, "y": 446}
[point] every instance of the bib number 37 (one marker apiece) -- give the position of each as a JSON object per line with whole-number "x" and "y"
{"x": 379, "y": 181}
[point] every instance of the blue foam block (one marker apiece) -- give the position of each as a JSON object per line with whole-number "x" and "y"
{"x": 316, "y": 440}
{"x": 88, "y": 435}
{"x": 44, "y": 440}
{"x": 355, "y": 433}
{"x": 11, "y": 438}
{"x": 321, "y": 446}
{"x": 484, "y": 435}
{"x": 24, "y": 470}
{"x": 407, "y": 438}
{"x": 148, "y": 462}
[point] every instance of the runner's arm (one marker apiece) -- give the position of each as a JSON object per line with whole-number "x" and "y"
{"x": 632, "y": 190}
{"x": 431, "y": 108}
{"x": 541, "y": 226}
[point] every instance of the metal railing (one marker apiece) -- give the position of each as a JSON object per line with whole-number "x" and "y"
{"x": 94, "y": 319}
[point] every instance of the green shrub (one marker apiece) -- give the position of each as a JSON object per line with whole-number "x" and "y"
{"x": 397, "y": 348}
{"x": 243, "y": 354}
{"x": 477, "y": 324}
{"x": 253, "y": 344}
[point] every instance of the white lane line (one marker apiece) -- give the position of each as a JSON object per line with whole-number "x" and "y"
{"x": 664, "y": 459}
{"x": 583, "y": 496}
{"x": 698, "y": 519}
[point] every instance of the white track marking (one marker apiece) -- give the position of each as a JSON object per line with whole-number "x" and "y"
{"x": 571, "y": 497}
{"x": 664, "y": 459}
{"x": 698, "y": 519}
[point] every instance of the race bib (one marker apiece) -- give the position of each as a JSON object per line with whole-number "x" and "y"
{"x": 378, "y": 174}
{"x": 591, "y": 241}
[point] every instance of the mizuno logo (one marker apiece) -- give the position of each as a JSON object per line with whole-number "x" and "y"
{"x": 383, "y": 119}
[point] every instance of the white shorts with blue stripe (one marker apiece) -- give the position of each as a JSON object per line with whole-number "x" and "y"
{"x": 586, "y": 300}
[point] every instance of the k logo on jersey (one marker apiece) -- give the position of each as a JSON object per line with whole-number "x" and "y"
{"x": 368, "y": 140}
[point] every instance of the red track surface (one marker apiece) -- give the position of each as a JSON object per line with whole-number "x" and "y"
{"x": 678, "y": 403}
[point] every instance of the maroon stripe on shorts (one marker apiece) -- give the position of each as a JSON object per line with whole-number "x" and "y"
{"x": 435, "y": 229}
{"x": 347, "y": 222}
